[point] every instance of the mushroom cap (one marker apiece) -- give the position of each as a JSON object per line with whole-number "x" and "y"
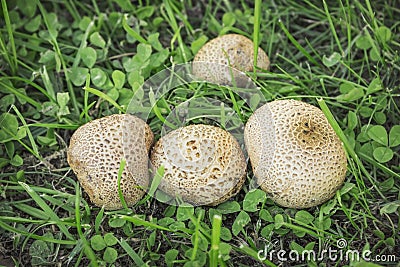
{"x": 234, "y": 50}
{"x": 295, "y": 154}
{"x": 203, "y": 164}
{"x": 95, "y": 152}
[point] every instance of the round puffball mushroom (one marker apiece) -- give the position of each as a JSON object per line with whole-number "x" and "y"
{"x": 95, "y": 152}
{"x": 203, "y": 164}
{"x": 212, "y": 60}
{"x": 295, "y": 154}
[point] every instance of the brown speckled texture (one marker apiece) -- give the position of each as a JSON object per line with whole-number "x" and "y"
{"x": 204, "y": 164}
{"x": 95, "y": 154}
{"x": 227, "y": 50}
{"x": 295, "y": 153}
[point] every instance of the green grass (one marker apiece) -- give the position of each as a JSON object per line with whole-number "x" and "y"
{"x": 62, "y": 65}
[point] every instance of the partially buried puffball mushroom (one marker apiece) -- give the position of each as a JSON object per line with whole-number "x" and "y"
{"x": 295, "y": 154}
{"x": 95, "y": 153}
{"x": 203, "y": 164}
{"x": 236, "y": 51}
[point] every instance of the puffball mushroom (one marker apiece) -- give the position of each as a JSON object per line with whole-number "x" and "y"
{"x": 212, "y": 60}
{"x": 95, "y": 152}
{"x": 203, "y": 164}
{"x": 295, "y": 154}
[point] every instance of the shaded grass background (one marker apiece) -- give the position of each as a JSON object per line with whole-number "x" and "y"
{"x": 344, "y": 52}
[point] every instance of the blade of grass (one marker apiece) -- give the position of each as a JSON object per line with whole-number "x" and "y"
{"x": 18, "y": 139}
{"x": 76, "y": 251}
{"x": 48, "y": 84}
{"x": 54, "y": 126}
{"x": 202, "y": 230}
{"x": 14, "y": 62}
{"x": 131, "y": 32}
{"x": 347, "y": 145}
{"x": 196, "y": 239}
{"x": 86, "y": 246}
{"x": 38, "y": 237}
{"x": 28, "y": 99}
{"x": 83, "y": 44}
{"x": 223, "y": 116}
{"x": 4, "y": 52}
{"x": 254, "y": 254}
{"x": 215, "y": 240}
{"x": 35, "y": 149}
{"x": 154, "y": 185}
{"x": 29, "y": 221}
{"x": 379, "y": 165}
{"x": 98, "y": 220}
{"x": 120, "y": 194}
{"x": 347, "y": 11}
{"x": 256, "y": 31}
{"x": 21, "y": 220}
{"x": 361, "y": 79}
{"x": 347, "y": 211}
{"x": 156, "y": 180}
{"x": 53, "y": 35}
{"x": 129, "y": 250}
{"x": 96, "y": 8}
{"x": 170, "y": 17}
{"x": 105, "y": 97}
{"x": 86, "y": 106}
{"x": 32, "y": 211}
{"x": 49, "y": 211}
{"x": 138, "y": 221}
{"x": 333, "y": 30}
{"x": 300, "y": 228}
{"x": 357, "y": 173}
{"x": 27, "y": 81}
{"x": 297, "y": 44}
{"x": 295, "y": 79}
{"x": 371, "y": 13}
{"x": 58, "y": 203}
{"x": 181, "y": 14}
{"x": 35, "y": 188}
{"x": 157, "y": 111}
{"x": 70, "y": 5}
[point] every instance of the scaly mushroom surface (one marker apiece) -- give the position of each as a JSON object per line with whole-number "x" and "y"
{"x": 223, "y": 59}
{"x": 295, "y": 154}
{"x": 95, "y": 152}
{"x": 203, "y": 164}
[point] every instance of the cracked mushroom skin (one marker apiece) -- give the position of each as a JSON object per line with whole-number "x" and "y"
{"x": 295, "y": 154}
{"x": 212, "y": 60}
{"x": 203, "y": 164}
{"x": 95, "y": 153}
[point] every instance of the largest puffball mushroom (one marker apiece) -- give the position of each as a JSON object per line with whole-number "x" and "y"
{"x": 95, "y": 153}
{"x": 203, "y": 164}
{"x": 295, "y": 153}
{"x": 224, "y": 59}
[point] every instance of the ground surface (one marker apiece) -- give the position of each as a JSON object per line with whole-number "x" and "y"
{"x": 63, "y": 63}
